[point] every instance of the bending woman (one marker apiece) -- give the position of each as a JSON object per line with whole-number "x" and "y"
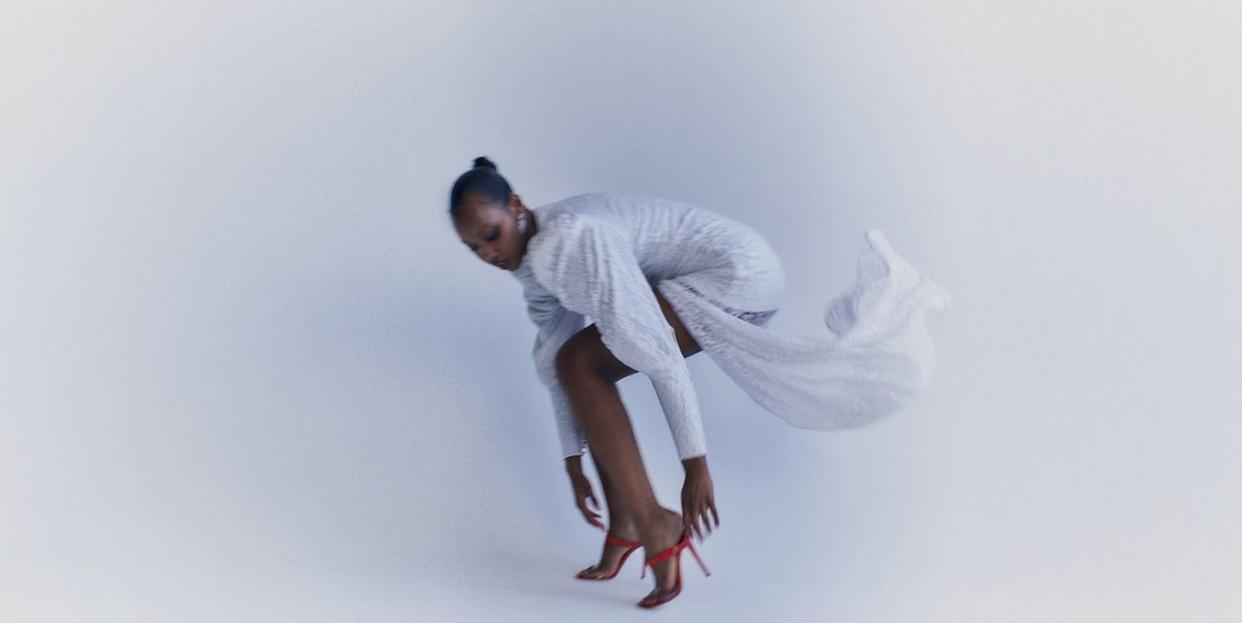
{"x": 663, "y": 280}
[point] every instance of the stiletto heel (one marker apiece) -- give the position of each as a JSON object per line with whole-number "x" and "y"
{"x": 675, "y": 550}
{"x": 609, "y": 539}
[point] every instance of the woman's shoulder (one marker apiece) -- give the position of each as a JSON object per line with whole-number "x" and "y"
{"x": 563, "y": 222}
{"x": 574, "y": 208}
{"x": 608, "y": 205}
{"x": 562, "y": 242}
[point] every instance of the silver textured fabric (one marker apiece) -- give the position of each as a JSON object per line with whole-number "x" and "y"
{"x": 599, "y": 255}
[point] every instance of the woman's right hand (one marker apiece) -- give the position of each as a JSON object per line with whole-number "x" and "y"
{"x": 582, "y": 492}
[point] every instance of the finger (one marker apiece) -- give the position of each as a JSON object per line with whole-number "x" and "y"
{"x": 712, "y": 505}
{"x": 591, "y": 517}
{"x": 595, "y": 501}
{"x": 707, "y": 521}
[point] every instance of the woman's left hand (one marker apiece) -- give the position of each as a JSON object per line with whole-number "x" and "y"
{"x": 697, "y": 497}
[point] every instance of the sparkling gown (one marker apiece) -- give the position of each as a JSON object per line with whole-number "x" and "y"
{"x": 598, "y": 256}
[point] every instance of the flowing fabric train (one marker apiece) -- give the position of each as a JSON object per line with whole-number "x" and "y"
{"x": 875, "y": 360}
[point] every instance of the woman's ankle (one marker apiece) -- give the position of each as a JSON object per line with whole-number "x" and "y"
{"x": 662, "y": 519}
{"x": 623, "y": 526}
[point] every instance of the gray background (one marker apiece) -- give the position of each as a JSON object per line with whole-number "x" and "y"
{"x": 249, "y": 373}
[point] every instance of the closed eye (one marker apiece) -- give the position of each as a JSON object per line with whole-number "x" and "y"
{"x": 494, "y": 236}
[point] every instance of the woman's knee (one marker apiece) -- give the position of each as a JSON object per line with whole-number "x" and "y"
{"x": 573, "y": 357}
{"x": 585, "y": 354}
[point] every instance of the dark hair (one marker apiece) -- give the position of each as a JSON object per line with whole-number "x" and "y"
{"x": 483, "y": 178}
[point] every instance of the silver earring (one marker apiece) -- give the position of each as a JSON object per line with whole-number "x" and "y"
{"x": 521, "y": 223}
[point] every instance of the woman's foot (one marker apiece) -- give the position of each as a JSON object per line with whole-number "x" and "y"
{"x": 668, "y": 534}
{"x": 612, "y": 554}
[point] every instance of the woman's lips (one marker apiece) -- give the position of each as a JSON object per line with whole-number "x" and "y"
{"x": 503, "y": 263}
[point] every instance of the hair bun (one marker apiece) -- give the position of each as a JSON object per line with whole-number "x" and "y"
{"x": 482, "y": 161}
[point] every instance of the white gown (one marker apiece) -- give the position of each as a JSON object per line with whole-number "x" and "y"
{"x": 598, "y": 255}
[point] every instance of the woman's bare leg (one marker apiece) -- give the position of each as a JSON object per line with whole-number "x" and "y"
{"x": 588, "y": 372}
{"x": 620, "y": 523}
{"x": 602, "y": 416}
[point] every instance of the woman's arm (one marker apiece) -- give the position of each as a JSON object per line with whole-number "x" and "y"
{"x": 556, "y": 324}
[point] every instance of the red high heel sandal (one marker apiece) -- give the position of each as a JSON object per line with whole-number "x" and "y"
{"x": 672, "y": 551}
{"x": 612, "y": 540}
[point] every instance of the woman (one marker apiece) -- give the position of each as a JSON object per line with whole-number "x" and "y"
{"x": 663, "y": 280}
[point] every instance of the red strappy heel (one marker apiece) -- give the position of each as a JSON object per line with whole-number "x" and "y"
{"x": 612, "y": 540}
{"x": 672, "y": 551}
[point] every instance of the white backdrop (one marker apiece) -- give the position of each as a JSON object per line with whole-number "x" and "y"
{"x": 249, "y": 373}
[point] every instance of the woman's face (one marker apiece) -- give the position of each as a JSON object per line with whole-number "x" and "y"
{"x": 489, "y": 230}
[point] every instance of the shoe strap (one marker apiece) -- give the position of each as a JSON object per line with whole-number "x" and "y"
{"x": 658, "y": 558}
{"x": 676, "y": 549}
{"x": 667, "y": 552}
{"x": 616, "y": 540}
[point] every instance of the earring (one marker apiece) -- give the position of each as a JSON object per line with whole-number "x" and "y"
{"x": 521, "y": 223}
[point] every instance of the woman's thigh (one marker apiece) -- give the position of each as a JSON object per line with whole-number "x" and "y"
{"x": 585, "y": 348}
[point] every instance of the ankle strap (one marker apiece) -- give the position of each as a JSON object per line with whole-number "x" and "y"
{"x": 655, "y": 560}
{"x": 616, "y": 540}
{"x": 663, "y": 554}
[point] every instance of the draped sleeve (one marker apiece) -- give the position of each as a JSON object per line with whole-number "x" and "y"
{"x": 555, "y": 325}
{"x": 589, "y": 266}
